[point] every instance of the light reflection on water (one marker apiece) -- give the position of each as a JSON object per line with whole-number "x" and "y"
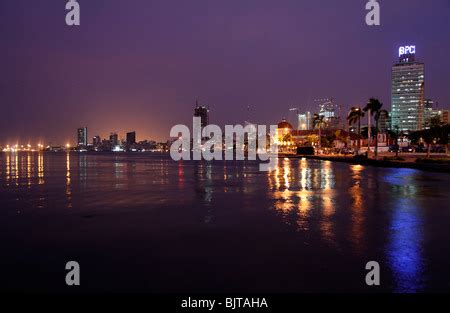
{"x": 404, "y": 250}
{"x": 352, "y": 209}
{"x": 357, "y": 217}
{"x": 68, "y": 182}
{"x": 305, "y": 189}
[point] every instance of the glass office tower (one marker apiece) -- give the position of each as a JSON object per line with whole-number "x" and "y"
{"x": 408, "y": 92}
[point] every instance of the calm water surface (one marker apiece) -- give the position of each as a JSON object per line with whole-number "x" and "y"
{"x": 142, "y": 222}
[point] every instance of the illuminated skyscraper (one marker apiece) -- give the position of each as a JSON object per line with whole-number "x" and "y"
{"x": 408, "y": 91}
{"x": 82, "y": 136}
{"x": 305, "y": 121}
{"x": 429, "y": 113}
{"x": 203, "y": 113}
{"x": 384, "y": 122}
{"x": 445, "y": 117}
{"x": 331, "y": 112}
{"x": 327, "y": 108}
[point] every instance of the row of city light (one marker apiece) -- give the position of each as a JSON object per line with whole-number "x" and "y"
{"x": 28, "y": 147}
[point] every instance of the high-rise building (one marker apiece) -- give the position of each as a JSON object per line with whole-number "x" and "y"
{"x": 203, "y": 113}
{"x": 428, "y": 113}
{"x": 384, "y": 122}
{"x": 96, "y": 141}
{"x": 131, "y": 138}
{"x": 408, "y": 91}
{"x": 305, "y": 121}
{"x": 445, "y": 116}
{"x": 428, "y": 107}
{"x": 437, "y": 116}
{"x": 114, "y": 139}
{"x": 82, "y": 137}
{"x": 329, "y": 110}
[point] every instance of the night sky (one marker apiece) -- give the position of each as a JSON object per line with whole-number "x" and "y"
{"x": 140, "y": 64}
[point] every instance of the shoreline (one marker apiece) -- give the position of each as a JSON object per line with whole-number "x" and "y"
{"x": 433, "y": 167}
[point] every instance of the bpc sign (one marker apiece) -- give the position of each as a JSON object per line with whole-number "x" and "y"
{"x": 406, "y": 50}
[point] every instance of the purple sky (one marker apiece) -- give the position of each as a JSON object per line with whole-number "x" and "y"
{"x": 140, "y": 64}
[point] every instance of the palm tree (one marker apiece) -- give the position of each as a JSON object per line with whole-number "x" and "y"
{"x": 319, "y": 122}
{"x": 428, "y": 136}
{"x": 371, "y": 107}
{"x": 378, "y": 114}
{"x": 354, "y": 115}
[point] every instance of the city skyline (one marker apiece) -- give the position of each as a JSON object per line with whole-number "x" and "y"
{"x": 223, "y": 155}
{"x": 67, "y": 78}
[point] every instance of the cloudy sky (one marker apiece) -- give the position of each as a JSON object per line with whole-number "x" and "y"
{"x": 140, "y": 64}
